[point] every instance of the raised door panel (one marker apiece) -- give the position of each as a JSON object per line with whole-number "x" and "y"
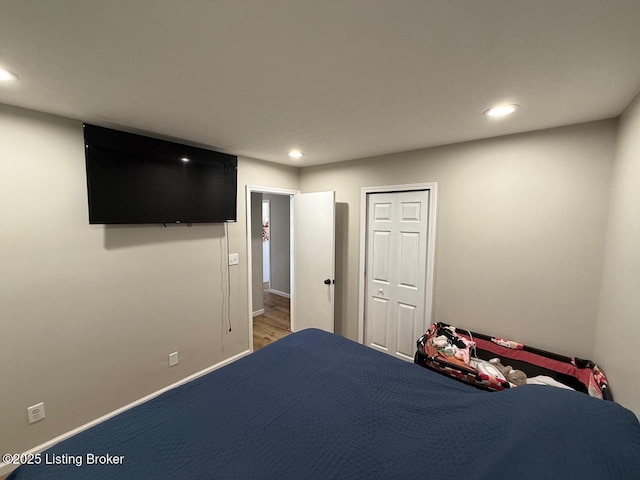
{"x": 380, "y": 253}
{"x": 409, "y": 253}
{"x": 405, "y": 328}
{"x": 379, "y": 316}
{"x": 382, "y": 211}
{"x": 410, "y": 212}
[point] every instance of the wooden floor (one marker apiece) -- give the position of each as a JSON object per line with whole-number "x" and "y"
{"x": 275, "y": 323}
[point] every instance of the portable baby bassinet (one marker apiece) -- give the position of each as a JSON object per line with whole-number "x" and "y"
{"x": 581, "y": 375}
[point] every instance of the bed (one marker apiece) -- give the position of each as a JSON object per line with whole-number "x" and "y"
{"x": 316, "y": 405}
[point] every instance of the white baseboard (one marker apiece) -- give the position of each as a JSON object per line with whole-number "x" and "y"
{"x": 278, "y": 292}
{"x": 258, "y": 312}
{"x": 5, "y": 468}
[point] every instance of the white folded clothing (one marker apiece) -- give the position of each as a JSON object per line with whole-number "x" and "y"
{"x": 545, "y": 380}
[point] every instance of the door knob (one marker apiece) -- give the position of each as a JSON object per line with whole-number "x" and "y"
{"x": 327, "y": 281}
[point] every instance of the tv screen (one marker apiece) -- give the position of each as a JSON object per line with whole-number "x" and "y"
{"x": 136, "y": 179}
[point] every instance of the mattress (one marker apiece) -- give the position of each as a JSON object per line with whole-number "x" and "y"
{"x": 316, "y": 405}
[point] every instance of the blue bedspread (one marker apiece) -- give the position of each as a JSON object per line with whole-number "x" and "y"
{"x": 316, "y": 405}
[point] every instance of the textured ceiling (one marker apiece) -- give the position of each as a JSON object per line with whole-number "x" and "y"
{"x": 339, "y": 79}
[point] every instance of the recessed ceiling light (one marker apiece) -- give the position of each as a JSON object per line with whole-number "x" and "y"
{"x": 500, "y": 110}
{"x": 184, "y": 159}
{"x": 6, "y": 75}
{"x": 295, "y": 153}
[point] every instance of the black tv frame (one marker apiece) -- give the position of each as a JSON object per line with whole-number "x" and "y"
{"x": 137, "y": 179}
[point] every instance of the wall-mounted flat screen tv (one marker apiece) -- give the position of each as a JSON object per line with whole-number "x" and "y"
{"x": 137, "y": 179}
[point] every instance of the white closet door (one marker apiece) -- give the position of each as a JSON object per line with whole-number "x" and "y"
{"x": 396, "y": 261}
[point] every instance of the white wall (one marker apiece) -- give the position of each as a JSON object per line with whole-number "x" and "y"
{"x": 280, "y": 242}
{"x": 618, "y": 336}
{"x": 88, "y": 314}
{"x": 521, "y": 228}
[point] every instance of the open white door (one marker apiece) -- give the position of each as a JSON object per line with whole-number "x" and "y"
{"x": 314, "y": 261}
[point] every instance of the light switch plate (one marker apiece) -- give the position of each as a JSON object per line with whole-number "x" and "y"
{"x": 173, "y": 359}
{"x": 233, "y": 259}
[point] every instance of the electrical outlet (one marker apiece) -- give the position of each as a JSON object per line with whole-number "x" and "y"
{"x": 233, "y": 259}
{"x": 36, "y": 412}
{"x": 173, "y": 359}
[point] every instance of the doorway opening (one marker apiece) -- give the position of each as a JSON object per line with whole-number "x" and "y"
{"x": 310, "y": 254}
{"x": 270, "y": 221}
